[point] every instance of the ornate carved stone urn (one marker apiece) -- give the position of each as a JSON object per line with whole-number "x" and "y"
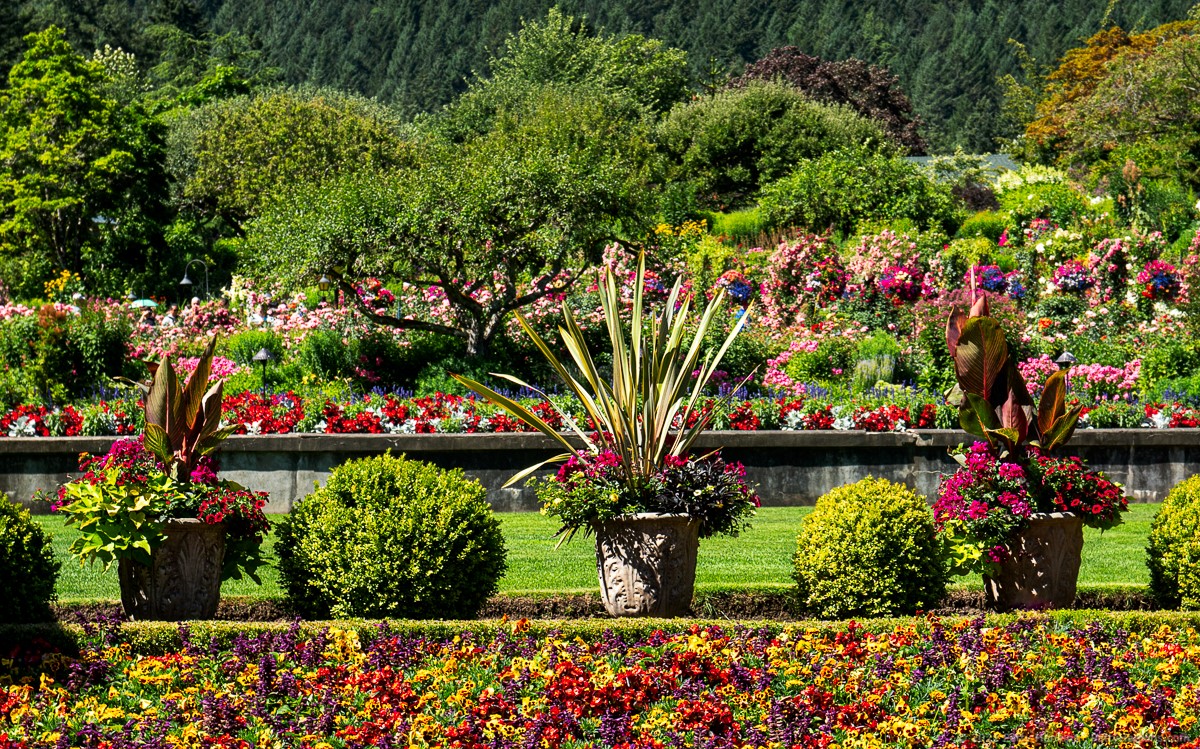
{"x": 1044, "y": 567}
{"x": 184, "y": 579}
{"x": 647, "y": 564}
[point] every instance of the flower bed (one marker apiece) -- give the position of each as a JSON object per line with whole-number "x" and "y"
{"x": 965, "y": 683}
{"x": 441, "y": 413}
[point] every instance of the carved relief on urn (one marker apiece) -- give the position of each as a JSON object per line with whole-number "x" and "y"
{"x": 184, "y": 579}
{"x": 647, "y": 564}
{"x": 1044, "y": 567}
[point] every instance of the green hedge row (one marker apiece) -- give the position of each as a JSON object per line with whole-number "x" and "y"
{"x": 155, "y": 638}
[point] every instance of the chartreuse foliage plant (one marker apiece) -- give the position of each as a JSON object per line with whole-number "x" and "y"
{"x": 118, "y": 518}
{"x": 391, "y": 537}
{"x": 28, "y": 569}
{"x": 869, "y": 549}
{"x": 1173, "y": 551}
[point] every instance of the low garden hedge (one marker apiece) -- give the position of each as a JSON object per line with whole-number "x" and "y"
{"x": 157, "y": 638}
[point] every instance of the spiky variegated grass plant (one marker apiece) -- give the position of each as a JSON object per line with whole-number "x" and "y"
{"x": 650, "y": 408}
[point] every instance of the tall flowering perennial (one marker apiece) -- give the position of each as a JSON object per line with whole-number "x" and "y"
{"x": 1159, "y": 280}
{"x": 1036, "y": 230}
{"x": 987, "y": 277}
{"x": 1073, "y": 277}
{"x": 873, "y": 253}
{"x": 1109, "y": 264}
{"x": 902, "y": 283}
{"x": 805, "y": 271}
{"x": 737, "y": 287}
{"x": 1095, "y": 383}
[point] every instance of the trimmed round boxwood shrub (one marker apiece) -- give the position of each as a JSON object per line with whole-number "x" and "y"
{"x": 391, "y": 537}
{"x": 1173, "y": 550}
{"x": 869, "y": 549}
{"x": 28, "y": 568}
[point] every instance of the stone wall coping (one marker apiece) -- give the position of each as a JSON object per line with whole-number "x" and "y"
{"x": 372, "y": 443}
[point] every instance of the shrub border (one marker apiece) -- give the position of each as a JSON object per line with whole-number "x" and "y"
{"x": 157, "y": 638}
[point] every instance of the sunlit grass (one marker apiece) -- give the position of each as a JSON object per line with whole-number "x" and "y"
{"x": 760, "y": 557}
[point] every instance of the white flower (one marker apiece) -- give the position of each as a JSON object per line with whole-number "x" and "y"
{"x": 22, "y": 427}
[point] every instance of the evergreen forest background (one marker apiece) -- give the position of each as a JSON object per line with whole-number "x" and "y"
{"x": 417, "y": 55}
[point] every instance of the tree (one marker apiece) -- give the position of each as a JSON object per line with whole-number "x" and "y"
{"x": 1149, "y": 105}
{"x": 1081, "y": 70}
{"x": 729, "y": 145}
{"x": 73, "y": 164}
{"x": 494, "y": 223}
{"x": 233, "y": 156}
{"x": 562, "y": 51}
{"x": 869, "y": 90}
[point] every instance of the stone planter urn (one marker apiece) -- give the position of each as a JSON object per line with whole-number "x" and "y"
{"x": 183, "y": 581}
{"x": 1044, "y": 567}
{"x": 647, "y": 564}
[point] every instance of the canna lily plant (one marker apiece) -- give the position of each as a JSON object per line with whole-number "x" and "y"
{"x": 993, "y": 400}
{"x": 648, "y": 412}
{"x": 183, "y": 419}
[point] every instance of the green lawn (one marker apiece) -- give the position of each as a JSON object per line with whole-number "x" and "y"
{"x": 759, "y": 557}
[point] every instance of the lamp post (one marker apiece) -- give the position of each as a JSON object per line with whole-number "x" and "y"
{"x": 1066, "y": 361}
{"x": 131, "y": 296}
{"x": 263, "y": 356}
{"x": 324, "y": 283}
{"x": 186, "y": 283}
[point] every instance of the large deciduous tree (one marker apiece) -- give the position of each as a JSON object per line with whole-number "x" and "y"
{"x": 233, "y": 156}
{"x": 74, "y": 166}
{"x": 870, "y": 90}
{"x": 493, "y": 223}
{"x": 725, "y": 147}
{"x": 1082, "y": 69}
{"x": 561, "y": 50}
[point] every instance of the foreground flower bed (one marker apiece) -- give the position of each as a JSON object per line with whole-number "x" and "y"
{"x": 915, "y": 683}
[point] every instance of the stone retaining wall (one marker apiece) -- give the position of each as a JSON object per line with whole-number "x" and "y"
{"x": 790, "y": 468}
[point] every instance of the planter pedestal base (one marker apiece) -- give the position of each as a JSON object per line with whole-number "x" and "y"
{"x": 1044, "y": 567}
{"x": 647, "y": 564}
{"x": 184, "y": 579}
